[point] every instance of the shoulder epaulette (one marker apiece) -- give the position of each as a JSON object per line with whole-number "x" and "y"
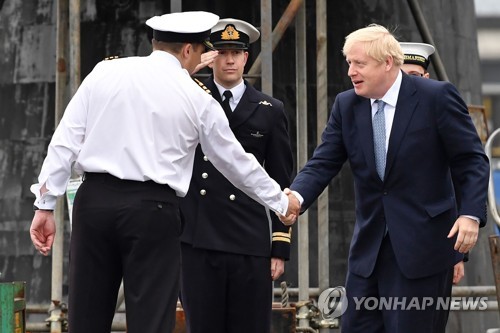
{"x": 111, "y": 58}
{"x": 202, "y": 85}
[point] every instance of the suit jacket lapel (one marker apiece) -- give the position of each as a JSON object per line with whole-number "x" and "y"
{"x": 213, "y": 88}
{"x": 363, "y": 115}
{"x": 405, "y": 107}
{"x": 246, "y": 106}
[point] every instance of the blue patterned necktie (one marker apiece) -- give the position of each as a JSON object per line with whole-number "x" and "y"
{"x": 378, "y": 124}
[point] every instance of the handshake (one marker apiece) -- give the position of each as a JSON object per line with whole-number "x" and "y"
{"x": 293, "y": 209}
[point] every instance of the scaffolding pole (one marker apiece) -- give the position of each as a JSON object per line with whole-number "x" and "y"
{"x": 60, "y": 103}
{"x": 302, "y": 156}
{"x": 283, "y": 23}
{"x": 321, "y": 118}
{"x": 266, "y": 42}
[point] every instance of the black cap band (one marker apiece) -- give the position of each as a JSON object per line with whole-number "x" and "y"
{"x": 176, "y": 37}
{"x": 416, "y": 59}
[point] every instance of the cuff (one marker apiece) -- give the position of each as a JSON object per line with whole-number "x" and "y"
{"x": 472, "y": 218}
{"x": 298, "y": 196}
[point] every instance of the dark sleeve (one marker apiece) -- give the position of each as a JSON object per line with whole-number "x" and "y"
{"x": 279, "y": 165}
{"x": 326, "y": 162}
{"x": 469, "y": 164}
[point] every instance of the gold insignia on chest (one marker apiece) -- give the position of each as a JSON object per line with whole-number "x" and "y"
{"x": 111, "y": 58}
{"x": 265, "y": 103}
{"x": 230, "y": 33}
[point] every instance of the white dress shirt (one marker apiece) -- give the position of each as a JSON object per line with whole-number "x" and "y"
{"x": 141, "y": 118}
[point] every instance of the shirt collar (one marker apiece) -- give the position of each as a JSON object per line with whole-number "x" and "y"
{"x": 237, "y": 90}
{"x": 391, "y": 96}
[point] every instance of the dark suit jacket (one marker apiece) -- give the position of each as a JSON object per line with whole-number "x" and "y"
{"x": 432, "y": 138}
{"x": 218, "y": 216}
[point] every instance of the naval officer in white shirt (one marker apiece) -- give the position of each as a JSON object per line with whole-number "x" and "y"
{"x": 131, "y": 130}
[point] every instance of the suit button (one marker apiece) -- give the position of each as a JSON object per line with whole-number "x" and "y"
{"x": 203, "y": 192}
{"x": 232, "y": 197}
{"x": 385, "y": 192}
{"x": 204, "y": 175}
{"x": 205, "y": 158}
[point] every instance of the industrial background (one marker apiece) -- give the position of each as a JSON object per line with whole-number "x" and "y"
{"x": 305, "y": 69}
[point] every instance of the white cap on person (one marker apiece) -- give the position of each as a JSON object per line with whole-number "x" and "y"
{"x": 183, "y": 27}
{"x": 232, "y": 33}
{"x": 417, "y": 53}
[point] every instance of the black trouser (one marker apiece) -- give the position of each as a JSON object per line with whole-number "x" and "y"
{"x": 394, "y": 303}
{"x": 225, "y": 292}
{"x": 130, "y": 230}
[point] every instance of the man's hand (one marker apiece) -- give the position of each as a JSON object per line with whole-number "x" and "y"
{"x": 468, "y": 230}
{"x": 458, "y": 272}
{"x": 293, "y": 209}
{"x": 277, "y": 268}
{"x": 207, "y": 59}
{"x": 43, "y": 230}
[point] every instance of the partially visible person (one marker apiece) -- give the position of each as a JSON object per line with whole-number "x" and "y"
{"x": 404, "y": 138}
{"x": 416, "y": 62}
{"x": 417, "y": 58}
{"x": 131, "y": 130}
{"x": 232, "y": 247}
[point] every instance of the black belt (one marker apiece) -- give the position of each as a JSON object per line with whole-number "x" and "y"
{"x": 110, "y": 179}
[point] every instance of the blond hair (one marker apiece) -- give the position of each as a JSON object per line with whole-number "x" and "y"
{"x": 378, "y": 42}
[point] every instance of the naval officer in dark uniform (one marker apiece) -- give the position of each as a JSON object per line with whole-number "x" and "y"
{"x": 232, "y": 246}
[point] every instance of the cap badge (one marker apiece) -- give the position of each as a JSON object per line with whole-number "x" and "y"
{"x": 230, "y": 33}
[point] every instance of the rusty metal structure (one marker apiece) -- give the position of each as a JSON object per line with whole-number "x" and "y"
{"x": 309, "y": 33}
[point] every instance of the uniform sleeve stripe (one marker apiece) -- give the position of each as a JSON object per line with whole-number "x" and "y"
{"x": 281, "y": 239}
{"x": 281, "y": 234}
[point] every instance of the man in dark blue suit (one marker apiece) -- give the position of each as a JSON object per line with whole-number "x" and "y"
{"x": 404, "y": 137}
{"x": 232, "y": 248}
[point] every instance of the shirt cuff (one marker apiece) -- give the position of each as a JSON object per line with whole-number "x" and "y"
{"x": 472, "y": 218}
{"x": 284, "y": 204}
{"x": 45, "y": 201}
{"x": 299, "y": 197}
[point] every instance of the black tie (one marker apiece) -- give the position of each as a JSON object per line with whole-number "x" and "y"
{"x": 225, "y": 103}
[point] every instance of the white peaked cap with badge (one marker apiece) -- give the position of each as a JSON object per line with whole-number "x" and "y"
{"x": 183, "y": 27}
{"x": 417, "y": 53}
{"x": 233, "y": 33}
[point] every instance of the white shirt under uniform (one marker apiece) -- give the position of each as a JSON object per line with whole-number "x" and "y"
{"x": 141, "y": 118}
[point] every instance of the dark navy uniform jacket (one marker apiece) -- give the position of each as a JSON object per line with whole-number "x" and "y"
{"x": 218, "y": 216}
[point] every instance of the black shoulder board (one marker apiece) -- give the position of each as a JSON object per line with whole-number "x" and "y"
{"x": 202, "y": 85}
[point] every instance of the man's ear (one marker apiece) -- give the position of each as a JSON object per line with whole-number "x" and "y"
{"x": 245, "y": 54}
{"x": 389, "y": 61}
{"x": 186, "y": 50}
